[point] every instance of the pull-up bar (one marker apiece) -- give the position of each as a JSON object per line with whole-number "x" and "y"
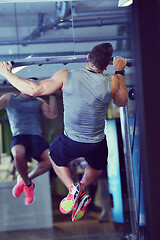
{"x": 55, "y": 60}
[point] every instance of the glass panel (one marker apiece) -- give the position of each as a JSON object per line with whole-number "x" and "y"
{"x": 45, "y": 30}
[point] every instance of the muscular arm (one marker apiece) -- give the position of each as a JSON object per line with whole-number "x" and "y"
{"x": 119, "y": 90}
{"x": 49, "y": 110}
{"x": 44, "y": 87}
{"x": 4, "y": 100}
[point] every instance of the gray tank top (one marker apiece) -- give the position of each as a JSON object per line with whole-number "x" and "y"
{"x": 24, "y": 115}
{"x": 86, "y": 97}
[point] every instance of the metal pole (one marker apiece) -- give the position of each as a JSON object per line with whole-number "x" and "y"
{"x": 55, "y": 60}
{"x": 51, "y": 60}
{"x": 129, "y": 172}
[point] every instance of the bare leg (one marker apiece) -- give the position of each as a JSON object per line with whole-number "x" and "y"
{"x": 64, "y": 174}
{"x": 90, "y": 175}
{"x": 42, "y": 166}
{"x": 20, "y": 162}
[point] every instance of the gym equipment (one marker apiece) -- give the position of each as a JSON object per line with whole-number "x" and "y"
{"x": 55, "y": 60}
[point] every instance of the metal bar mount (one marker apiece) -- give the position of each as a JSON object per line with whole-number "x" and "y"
{"x": 124, "y": 118}
{"x": 55, "y": 60}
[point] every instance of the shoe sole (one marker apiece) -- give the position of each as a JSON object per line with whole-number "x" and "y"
{"x": 27, "y": 204}
{"x": 68, "y": 202}
{"x": 18, "y": 180}
{"x": 81, "y": 209}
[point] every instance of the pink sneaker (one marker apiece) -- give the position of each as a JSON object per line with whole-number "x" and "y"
{"x": 67, "y": 204}
{"x": 28, "y": 192}
{"x": 80, "y": 206}
{"x": 18, "y": 188}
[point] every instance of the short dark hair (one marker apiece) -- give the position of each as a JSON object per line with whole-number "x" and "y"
{"x": 100, "y": 55}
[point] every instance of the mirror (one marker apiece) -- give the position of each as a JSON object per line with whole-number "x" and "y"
{"x": 48, "y": 29}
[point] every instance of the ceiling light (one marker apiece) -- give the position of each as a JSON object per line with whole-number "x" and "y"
{"x": 124, "y": 3}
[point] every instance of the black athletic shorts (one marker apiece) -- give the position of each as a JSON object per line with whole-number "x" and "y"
{"x": 63, "y": 150}
{"x": 34, "y": 145}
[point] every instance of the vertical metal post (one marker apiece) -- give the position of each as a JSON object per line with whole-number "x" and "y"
{"x": 129, "y": 171}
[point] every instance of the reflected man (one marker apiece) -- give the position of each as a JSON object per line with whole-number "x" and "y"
{"x": 86, "y": 96}
{"x": 24, "y": 114}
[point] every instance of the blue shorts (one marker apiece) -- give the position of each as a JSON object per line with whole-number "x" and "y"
{"x": 63, "y": 150}
{"x": 34, "y": 145}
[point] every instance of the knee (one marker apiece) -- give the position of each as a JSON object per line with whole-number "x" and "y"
{"x": 46, "y": 162}
{"x": 18, "y": 154}
{"x": 45, "y": 158}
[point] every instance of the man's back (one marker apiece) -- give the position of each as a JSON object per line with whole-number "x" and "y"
{"x": 24, "y": 115}
{"x": 86, "y": 97}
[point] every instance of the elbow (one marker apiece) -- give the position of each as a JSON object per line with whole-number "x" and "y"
{"x": 32, "y": 94}
{"x": 123, "y": 102}
{"x": 35, "y": 94}
{"x": 31, "y": 88}
{"x": 53, "y": 116}
{"x": 36, "y": 90}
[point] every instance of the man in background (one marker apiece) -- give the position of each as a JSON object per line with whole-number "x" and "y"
{"x": 24, "y": 115}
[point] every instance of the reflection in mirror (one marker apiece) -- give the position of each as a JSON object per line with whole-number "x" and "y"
{"x": 43, "y": 30}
